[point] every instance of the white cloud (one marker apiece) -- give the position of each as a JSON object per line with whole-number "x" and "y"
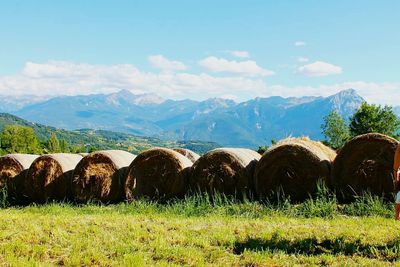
{"x": 248, "y": 67}
{"x": 302, "y": 59}
{"x": 165, "y": 64}
{"x": 319, "y": 68}
{"x": 67, "y": 78}
{"x": 300, "y": 43}
{"x": 240, "y": 54}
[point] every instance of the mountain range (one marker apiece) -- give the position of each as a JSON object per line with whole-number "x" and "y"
{"x": 247, "y": 124}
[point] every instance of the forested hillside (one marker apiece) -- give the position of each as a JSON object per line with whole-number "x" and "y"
{"x": 99, "y": 139}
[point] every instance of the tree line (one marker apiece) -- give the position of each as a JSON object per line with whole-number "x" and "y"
{"x": 368, "y": 118}
{"x": 22, "y": 139}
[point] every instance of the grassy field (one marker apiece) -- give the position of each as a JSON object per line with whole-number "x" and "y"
{"x": 197, "y": 231}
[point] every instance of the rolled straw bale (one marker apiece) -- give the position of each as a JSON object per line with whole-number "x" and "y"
{"x": 188, "y": 153}
{"x": 13, "y": 169}
{"x": 293, "y": 165}
{"x": 158, "y": 173}
{"x": 228, "y": 171}
{"x": 100, "y": 175}
{"x": 365, "y": 163}
{"x": 49, "y": 177}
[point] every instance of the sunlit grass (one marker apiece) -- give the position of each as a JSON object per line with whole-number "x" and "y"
{"x": 202, "y": 230}
{"x": 145, "y": 234}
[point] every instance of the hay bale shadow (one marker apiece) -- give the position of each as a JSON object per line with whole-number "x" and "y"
{"x": 313, "y": 247}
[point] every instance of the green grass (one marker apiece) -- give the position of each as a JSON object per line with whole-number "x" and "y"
{"x": 149, "y": 234}
{"x": 202, "y": 231}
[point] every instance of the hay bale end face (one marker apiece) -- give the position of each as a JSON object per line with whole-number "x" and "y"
{"x": 228, "y": 171}
{"x": 294, "y": 165}
{"x": 99, "y": 176}
{"x": 158, "y": 173}
{"x": 188, "y": 153}
{"x": 13, "y": 169}
{"x": 49, "y": 177}
{"x": 365, "y": 163}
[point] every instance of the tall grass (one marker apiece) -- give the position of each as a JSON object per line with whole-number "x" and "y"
{"x": 324, "y": 204}
{"x": 369, "y": 205}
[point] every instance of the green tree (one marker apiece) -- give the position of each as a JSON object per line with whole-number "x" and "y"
{"x": 335, "y": 129}
{"x": 64, "y": 146}
{"x": 53, "y": 145}
{"x": 93, "y": 148}
{"x": 78, "y": 149}
{"x": 262, "y": 149}
{"x": 374, "y": 118}
{"x": 19, "y": 139}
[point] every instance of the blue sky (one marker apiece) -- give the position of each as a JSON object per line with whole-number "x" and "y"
{"x": 178, "y": 49}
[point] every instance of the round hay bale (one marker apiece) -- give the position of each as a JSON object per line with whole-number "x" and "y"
{"x": 188, "y": 153}
{"x": 293, "y": 165}
{"x": 158, "y": 173}
{"x": 227, "y": 171}
{"x": 99, "y": 176}
{"x": 49, "y": 177}
{"x": 13, "y": 169}
{"x": 365, "y": 163}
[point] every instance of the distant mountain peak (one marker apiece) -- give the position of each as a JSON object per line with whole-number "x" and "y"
{"x": 347, "y": 92}
{"x": 347, "y": 99}
{"x": 124, "y": 92}
{"x": 125, "y": 95}
{"x": 284, "y": 102}
{"x": 223, "y": 102}
{"x": 146, "y": 99}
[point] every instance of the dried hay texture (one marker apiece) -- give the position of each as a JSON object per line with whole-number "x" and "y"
{"x": 158, "y": 173}
{"x": 293, "y": 165}
{"x": 365, "y": 163}
{"x": 49, "y": 177}
{"x": 13, "y": 169}
{"x": 100, "y": 175}
{"x": 227, "y": 171}
{"x": 188, "y": 153}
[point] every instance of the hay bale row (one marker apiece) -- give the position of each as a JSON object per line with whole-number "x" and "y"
{"x": 98, "y": 176}
{"x": 293, "y": 166}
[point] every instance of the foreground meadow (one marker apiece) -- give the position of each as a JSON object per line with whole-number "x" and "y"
{"x": 199, "y": 232}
